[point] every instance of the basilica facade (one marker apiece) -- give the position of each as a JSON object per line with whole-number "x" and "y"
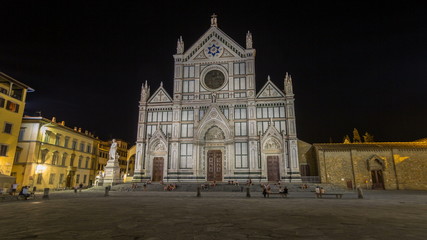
{"x": 216, "y": 126}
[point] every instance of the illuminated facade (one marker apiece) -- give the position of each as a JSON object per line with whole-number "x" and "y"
{"x": 54, "y": 156}
{"x": 216, "y": 126}
{"x": 12, "y": 104}
{"x": 374, "y": 165}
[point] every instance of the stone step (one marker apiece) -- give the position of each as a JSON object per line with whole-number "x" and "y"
{"x": 221, "y": 187}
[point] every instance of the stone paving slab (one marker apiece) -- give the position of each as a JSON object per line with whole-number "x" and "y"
{"x": 215, "y": 215}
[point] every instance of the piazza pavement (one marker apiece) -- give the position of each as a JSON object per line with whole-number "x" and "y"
{"x": 155, "y": 215}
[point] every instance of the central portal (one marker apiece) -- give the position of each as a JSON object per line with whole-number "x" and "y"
{"x": 214, "y": 165}
{"x": 273, "y": 172}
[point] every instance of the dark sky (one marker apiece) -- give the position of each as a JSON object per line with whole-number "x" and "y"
{"x": 354, "y": 64}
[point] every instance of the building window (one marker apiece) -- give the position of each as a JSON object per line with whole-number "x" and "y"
{"x": 241, "y": 155}
{"x": 187, "y": 115}
{"x": 21, "y": 134}
{"x": 57, "y": 139}
{"x": 77, "y": 178}
{"x": 47, "y": 137}
{"x": 82, "y": 146}
{"x": 270, "y": 112}
{"x": 224, "y": 110}
{"x": 240, "y": 129}
{"x": 279, "y": 125}
{"x": 3, "y": 150}
{"x": 2, "y": 101}
{"x": 188, "y": 71}
{"x": 7, "y": 128}
{"x": 66, "y": 141}
{"x": 186, "y": 130}
{"x": 202, "y": 111}
{"x": 64, "y": 159}
{"x": 11, "y": 106}
{"x": 55, "y": 158}
{"x": 239, "y": 68}
{"x": 39, "y": 178}
{"x": 61, "y": 178}
{"x": 240, "y": 113}
{"x": 43, "y": 155}
{"x": 188, "y": 86}
{"x": 52, "y": 178}
{"x": 17, "y": 154}
{"x": 87, "y": 162}
{"x": 89, "y": 148}
{"x": 240, "y": 83}
{"x": 74, "y": 145}
{"x": 186, "y": 160}
{"x": 80, "y": 161}
{"x": 166, "y": 128}
{"x": 159, "y": 116}
{"x": 73, "y": 156}
{"x": 84, "y": 178}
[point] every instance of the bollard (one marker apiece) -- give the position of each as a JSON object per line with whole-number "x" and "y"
{"x": 198, "y": 192}
{"x": 46, "y": 193}
{"x": 359, "y": 193}
{"x": 248, "y": 192}
{"x": 107, "y": 190}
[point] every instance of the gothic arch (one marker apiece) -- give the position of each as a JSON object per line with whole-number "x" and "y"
{"x": 375, "y": 163}
{"x": 214, "y": 133}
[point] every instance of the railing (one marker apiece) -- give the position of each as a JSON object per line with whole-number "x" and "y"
{"x": 310, "y": 179}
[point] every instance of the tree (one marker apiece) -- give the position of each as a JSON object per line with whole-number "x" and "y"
{"x": 368, "y": 137}
{"x": 356, "y": 136}
{"x": 347, "y": 139}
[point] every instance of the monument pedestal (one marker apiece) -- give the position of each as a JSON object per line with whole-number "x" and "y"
{"x": 112, "y": 173}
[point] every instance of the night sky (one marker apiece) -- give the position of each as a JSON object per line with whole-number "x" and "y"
{"x": 354, "y": 64}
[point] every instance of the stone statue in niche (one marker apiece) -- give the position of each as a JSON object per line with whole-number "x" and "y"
{"x": 214, "y": 133}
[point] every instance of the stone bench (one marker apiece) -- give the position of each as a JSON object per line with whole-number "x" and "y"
{"x": 337, "y": 195}
{"x": 283, "y": 195}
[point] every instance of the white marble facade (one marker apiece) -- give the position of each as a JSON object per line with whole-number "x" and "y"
{"x": 215, "y": 126}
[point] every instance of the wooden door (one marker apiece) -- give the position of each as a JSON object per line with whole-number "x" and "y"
{"x": 377, "y": 179}
{"x": 273, "y": 171}
{"x": 158, "y": 169}
{"x": 214, "y": 166}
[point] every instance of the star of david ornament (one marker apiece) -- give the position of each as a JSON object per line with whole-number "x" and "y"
{"x": 213, "y": 50}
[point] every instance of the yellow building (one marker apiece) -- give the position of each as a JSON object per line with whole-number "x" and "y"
{"x": 103, "y": 154}
{"x": 54, "y": 156}
{"x": 130, "y": 163}
{"x": 12, "y": 104}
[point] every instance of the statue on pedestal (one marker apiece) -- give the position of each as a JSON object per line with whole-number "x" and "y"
{"x": 112, "y": 169}
{"x": 113, "y": 150}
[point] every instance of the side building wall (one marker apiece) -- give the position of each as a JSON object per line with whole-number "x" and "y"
{"x": 390, "y": 166}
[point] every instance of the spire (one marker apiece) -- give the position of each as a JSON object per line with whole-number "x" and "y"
{"x": 288, "y": 84}
{"x": 180, "y": 46}
{"x": 145, "y": 92}
{"x": 214, "y": 22}
{"x": 249, "y": 40}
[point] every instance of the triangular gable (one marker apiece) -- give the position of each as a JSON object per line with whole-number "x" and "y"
{"x": 270, "y": 90}
{"x": 271, "y": 139}
{"x": 160, "y": 96}
{"x": 158, "y": 141}
{"x": 214, "y": 43}
{"x": 214, "y": 117}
